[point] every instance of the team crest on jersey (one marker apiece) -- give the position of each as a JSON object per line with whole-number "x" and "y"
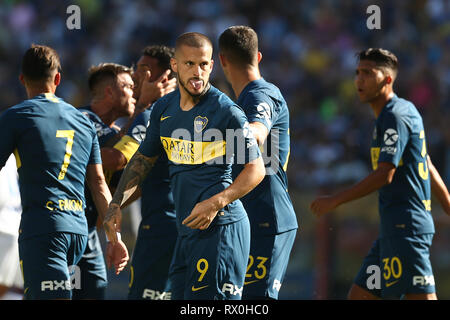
{"x": 200, "y": 123}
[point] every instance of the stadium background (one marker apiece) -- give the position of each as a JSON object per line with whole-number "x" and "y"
{"x": 309, "y": 51}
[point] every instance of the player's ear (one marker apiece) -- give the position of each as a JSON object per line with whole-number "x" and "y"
{"x": 21, "y": 79}
{"x": 388, "y": 79}
{"x": 223, "y": 60}
{"x": 259, "y": 56}
{"x": 108, "y": 92}
{"x": 57, "y": 79}
{"x": 212, "y": 64}
{"x": 173, "y": 65}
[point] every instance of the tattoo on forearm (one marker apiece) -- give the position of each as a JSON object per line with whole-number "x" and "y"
{"x": 134, "y": 173}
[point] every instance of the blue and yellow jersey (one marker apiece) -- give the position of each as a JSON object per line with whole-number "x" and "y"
{"x": 399, "y": 138}
{"x": 157, "y": 207}
{"x": 104, "y": 133}
{"x": 53, "y": 143}
{"x": 269, "y": 206}
{"x": 201, "y": 145}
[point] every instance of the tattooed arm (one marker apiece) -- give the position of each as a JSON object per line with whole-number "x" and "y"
{"x": 134, "y": 173}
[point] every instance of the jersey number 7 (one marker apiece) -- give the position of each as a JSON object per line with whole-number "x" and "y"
{"x": 69, "y": 134}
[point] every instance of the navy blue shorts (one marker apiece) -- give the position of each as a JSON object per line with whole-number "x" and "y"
{"x": 211, "y": 264}
{"x": 149, "y": 270}
{"x": 45, "y": 262}
{"x": 93, "y": 271}
{"x": 268, "y": 260}
{"x": 396, "y": 266}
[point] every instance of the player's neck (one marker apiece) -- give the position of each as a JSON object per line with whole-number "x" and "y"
{"x": 188, "y": 101}
{"x": 241, "y": 78}
{"x": 378, "y": 103}
{"x": 35, "y": 91}
{"x": 103, "y": 112}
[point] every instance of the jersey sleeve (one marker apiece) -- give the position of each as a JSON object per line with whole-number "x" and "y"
{"x": 95, "y": 157}
{"x": 7, "y": 136}
{"x": 151, "y": 145}
{"x": 245, "y": 148}
{"x": 394, "y": 138}
{"x": 130, "y": 142}
{"x": 259, "y": 107}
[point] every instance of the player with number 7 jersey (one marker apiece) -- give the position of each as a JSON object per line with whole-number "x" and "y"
{"x": 53, "y": 143}
{"x": 56, "y": 150}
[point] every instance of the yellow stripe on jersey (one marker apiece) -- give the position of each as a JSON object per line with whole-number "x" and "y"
{"x": 375, "y": 155}
{"x": 289, "y": 153}
{"x": 17, "y": 156}
{"x": 128, "y": 146}
{"x": 192, "y": 152}
{"x": 287, "y": 160}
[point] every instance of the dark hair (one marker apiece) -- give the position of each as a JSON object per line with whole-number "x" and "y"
{"x": 239, "y": 44}
{"x": 161, "y": 53}
{"x": 382, "y": 58}
{"x": 192, "y": 39}
{"x": 105, "y": 72}
{"x": 39, "y": 62}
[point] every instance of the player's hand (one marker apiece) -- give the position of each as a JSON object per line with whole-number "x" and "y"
{"x": 201, "y": 216}
{"x": 323, "y": 205}
{"x": 152, "y": 91}
{"x": 112, "y": 222}
{"x": 117, "y": 255}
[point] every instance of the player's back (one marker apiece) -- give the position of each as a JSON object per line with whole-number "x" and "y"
{"x": 53, "y": 143}
{"x": 269, "y": 206}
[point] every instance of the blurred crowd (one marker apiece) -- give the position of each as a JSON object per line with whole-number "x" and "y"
{"x": 308, "y": 48}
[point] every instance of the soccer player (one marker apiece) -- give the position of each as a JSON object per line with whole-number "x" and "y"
{"x": 11, "y": 282}
{"x": 157, "y": 234}
{"x": 272, "y": 217}
{"x": 111, "y": 87}
{"x": 202, "y": 132}
{"x": 404, "y": 177}
{"x": 56, "y": 149}
{"x": 152, "y": 80}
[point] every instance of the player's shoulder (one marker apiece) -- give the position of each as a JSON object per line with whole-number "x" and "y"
{"x": 261, "y": 91}
{"x": 401, "y": 109}
{"x": 222, "y": 101}
{"x": 401, "y": 106}
{"x": 166, "y": 101}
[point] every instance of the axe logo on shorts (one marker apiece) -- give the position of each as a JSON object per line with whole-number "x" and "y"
{"x": 156, "y": 295}
{"x": 423, "y": 280}
{"x": 74, "y": 282}
{"x": 232, "y": 289}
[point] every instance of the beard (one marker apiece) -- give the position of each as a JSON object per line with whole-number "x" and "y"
{"x": 195, "y": 97}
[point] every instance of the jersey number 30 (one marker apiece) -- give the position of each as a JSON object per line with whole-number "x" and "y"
{"x": 69, "y": 134}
